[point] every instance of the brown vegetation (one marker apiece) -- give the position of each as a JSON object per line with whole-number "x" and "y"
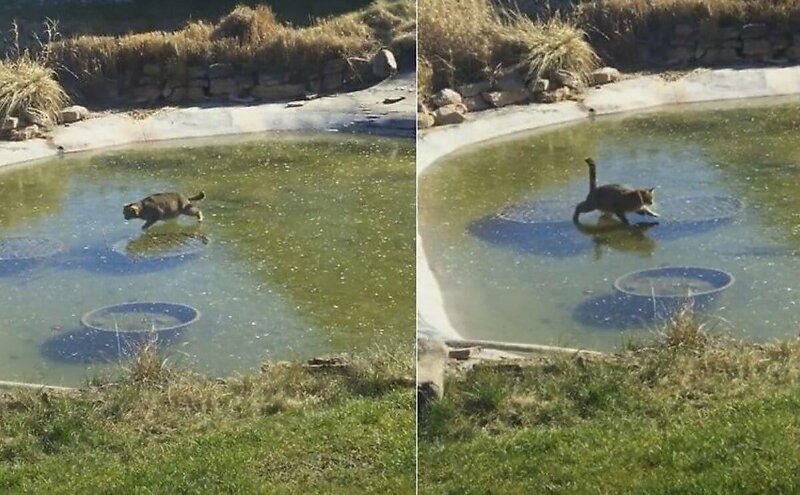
{"x": 469, "y": 40}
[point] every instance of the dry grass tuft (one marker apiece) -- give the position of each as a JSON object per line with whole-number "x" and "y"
{"x": 248, "y": 37}
{"x": 551, "y": 46}
{"x": 467, "y": 40}
{"x": 685, "y": 330}
{"x": 424, "y": 77}
{"x": 247, "y": 25}
{"x": 457, "y": 39}
{"x": 148, "y": 366}
{"x": 299, "y": 50}
{"x": 29, "y": 90}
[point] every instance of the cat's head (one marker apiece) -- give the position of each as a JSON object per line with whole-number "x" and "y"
{"x": 131, "y": 210}
{"x": 648, "y": 196}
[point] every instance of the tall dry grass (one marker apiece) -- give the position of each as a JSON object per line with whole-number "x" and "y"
{"x": 247, "y": 25}
{"x": 30, "y": 91}
{"x": 605, "y": 14}
{"x": 550, "y": 46}
{"x": 248, "y": 37}
{"x": 466, "y": 40}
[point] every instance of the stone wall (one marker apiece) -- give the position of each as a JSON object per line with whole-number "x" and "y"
{"x": 704, "y": 43}
{"x": 510, "y": 86}
{"x": 174, "y": 84}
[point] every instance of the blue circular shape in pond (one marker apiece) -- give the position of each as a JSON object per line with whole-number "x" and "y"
{"x": 18, "y": 253}
{"x": 667, "y": 289}
{"x": 150, "y": 317}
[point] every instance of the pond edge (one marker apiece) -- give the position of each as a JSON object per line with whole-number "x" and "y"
{"x": 360, "y": 112}
{"x": 627, "y": 96}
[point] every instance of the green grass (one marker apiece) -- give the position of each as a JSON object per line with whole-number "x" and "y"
{"x": 700, "y": 416}
{"x": 285, "y": 430}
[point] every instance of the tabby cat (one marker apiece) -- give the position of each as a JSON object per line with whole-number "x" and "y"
{"x": 163, "y": 206}
{"x": 614, "y": 199}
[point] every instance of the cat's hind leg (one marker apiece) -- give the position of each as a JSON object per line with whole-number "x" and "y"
{"x": 584, "y": 207}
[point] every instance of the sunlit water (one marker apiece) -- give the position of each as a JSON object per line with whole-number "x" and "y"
{"x": 527, "y": 287}
{"x": 311, "y": 251}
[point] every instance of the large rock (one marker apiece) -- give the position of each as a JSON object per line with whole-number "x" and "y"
{"x": 10, "y": 123}
{"x": 679, "y": 54}
{"x": 719, "y": 56}
{"x": 510, "y": 80}
{"x": 383, "y": 64}
{"x": 474, "y": 89}
{"x": 222, "y": 87}
{"x": 563, "y": 78}
{"x": 780, "y": 42}
{"x": 559, "y": 94}
{"x": 177, "y": 94}
{"x": 357, "y": 69}
{"x": 604, "y": 75}
{"x": 500, "y": 99}
{"x": 425, "y": 120}
{"x": 219, "y": 71}
{"x": 682, "y": 30}
{"x": 334, "y": 66}
{"x": 25, "y": 133}
{"x": 152, "y": 70}
{"x": 196, "y": 93}
{"x": 753, "y": 31}
{"x": 538, "y": 85}
{"x": 450, "y": 114}
{"x": 756, "y": 48}
{"x": 198, "y": 83}
{"x": 729, "y": 33}
{"x": 475, "y": 103}
{"x": 272, "y": 78}
{"x": 145, "y": 94}
{"x": 279, "y": 91}
{"x": 735, "y": 44}
{"x": 445, "y": 97}
{"x": 196, "y": 72}
{"x": 74, "y": 113}
{"x": 245, "y": 81}
{"x": 332, "y": 81}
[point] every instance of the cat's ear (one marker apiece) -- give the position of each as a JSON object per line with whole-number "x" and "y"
{"x": 651, "y": 190}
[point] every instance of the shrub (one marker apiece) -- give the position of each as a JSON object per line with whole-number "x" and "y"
{"x": 247, "y": 25}
{"x": 29, "y": 90}
{"x": 555, "y": 45}
{"x": 467, "y": 40}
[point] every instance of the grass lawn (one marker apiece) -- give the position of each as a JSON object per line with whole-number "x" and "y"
{"x": 287, "y": 430}
{"x": 690, "y": 415}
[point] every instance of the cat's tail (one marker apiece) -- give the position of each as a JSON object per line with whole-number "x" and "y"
{"x": 198, "y": 196}
{"x": 592, "y": 174}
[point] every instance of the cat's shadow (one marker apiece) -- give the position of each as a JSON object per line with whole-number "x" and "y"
{"x": 563, "y": 239}
{"x": 611, "y": 234}
{"x": 113, "y": 257}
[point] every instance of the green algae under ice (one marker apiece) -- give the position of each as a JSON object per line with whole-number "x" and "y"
{"x": 307, "y": 248}
{"x": 552, "y": 283}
